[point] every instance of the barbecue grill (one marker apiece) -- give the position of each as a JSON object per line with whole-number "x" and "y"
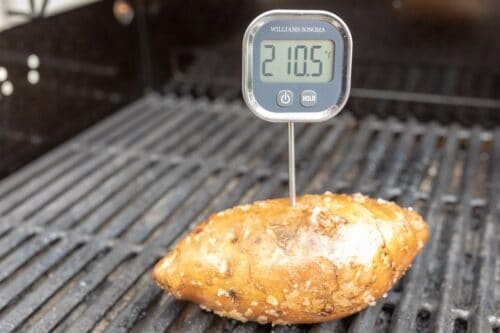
{"x": 82, "y": 226}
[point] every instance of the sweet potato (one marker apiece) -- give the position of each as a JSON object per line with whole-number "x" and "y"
{"x": 328, "y": 257}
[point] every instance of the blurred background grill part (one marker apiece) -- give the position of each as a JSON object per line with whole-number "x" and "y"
{"x": 82, "y": 225}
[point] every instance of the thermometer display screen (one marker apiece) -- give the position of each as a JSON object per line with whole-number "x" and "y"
{"x": 296, "y": 61}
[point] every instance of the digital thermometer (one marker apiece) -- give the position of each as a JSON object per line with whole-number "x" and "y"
{"x": 296, "y": 68}
{"x": 296, "y": 65}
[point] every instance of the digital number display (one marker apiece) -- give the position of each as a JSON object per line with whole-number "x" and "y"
{"x": 296, "y": 61}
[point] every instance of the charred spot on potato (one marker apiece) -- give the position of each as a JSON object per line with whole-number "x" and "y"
{"x": 234, "y": 240}
{"x": 233, "y": 295}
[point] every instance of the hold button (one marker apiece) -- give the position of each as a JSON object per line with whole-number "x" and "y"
{"x": 308, "y": 98}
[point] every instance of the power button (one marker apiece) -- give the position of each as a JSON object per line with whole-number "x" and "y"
{"x": 285, "y": 98}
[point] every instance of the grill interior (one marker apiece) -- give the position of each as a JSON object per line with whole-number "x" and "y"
{"x": 81, "y": 227}
{"x": 385, "y": 88}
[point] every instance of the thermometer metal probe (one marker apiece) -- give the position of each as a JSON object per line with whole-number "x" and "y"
{"x": 296, "y": 68}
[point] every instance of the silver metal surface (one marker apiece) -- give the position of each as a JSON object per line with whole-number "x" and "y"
{"x": 291, "y": 164}
{"x": 247, "y": 76}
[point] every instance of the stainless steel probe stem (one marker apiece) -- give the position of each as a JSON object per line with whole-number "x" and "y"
{"x": 291, "y": 164}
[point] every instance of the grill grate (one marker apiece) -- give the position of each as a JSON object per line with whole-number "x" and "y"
{"x": 81, "y": 227}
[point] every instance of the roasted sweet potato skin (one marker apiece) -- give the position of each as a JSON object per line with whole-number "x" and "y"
{"x": 328, "y": 257}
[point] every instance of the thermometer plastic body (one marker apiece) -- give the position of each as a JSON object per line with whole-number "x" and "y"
{"x": 296, "y": 65}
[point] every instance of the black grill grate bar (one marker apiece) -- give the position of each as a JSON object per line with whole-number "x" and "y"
{"x": 192, "y": 133}
{"x": 307, "y": 143}
{"x": 115, "y": 121}
{"x": 374, "y": 157}
{"x": 162, "y": 316}
{"x": 26, "y": 232}
{"x": 143, "y": 128}
{"x": 352, "y": 154}
{"x": 220, "y": 325}
{"x": 484, "y": 303}
{"x": 163, "y": 130}
{"x": 126, "y": 218}
{"x": 130, "y": 272}
{"x": 271, "y": 152}
{"x": 83, "y": 286}
{"x": 118, "y": 202}
{"x": 136, "y": 307}
{"x": 417, "y": 169}
{"x": 406, "y": 312}
{"x": 168, "y": 107}
{"x": 201, "y": 199}
{"x": 248, "y": 134}
{"x": 21, "y": 255}
{"x": 14, "y": 239}
{"x": 75, "y": 192}
{"x": 256, "y": 145}
{"x": 177, "y": 137}
{"x": 157, "y": 214}
{"x": 283, "y": 329}
{"x": 335, "y": 326}
{"x": 311, "y": 141}
{"x": 32, "y": 301}
{"x": 116, "y": 135}
{"x": 192, "y": 320}
{"x": 28, "y": 173}
{"x": 101, "y": 194}
{"x": 5, "y": 229}
{"x": 234, "y": 197}
{"x": 272, "y": 188}
{"x": 212, "y": 144}
{"x": 399, "y": 160}
{"x": 57, "y": 187}
{"x": 248, "y": 328}
{"x": 164, "y": 117}
{"x": 45, "y": 178}
{"x": 328, "y": 144}
{"x": 13, "y": 287}
{"x": 366, "y": 320}
{"x": 113, "y": 134}
{"x": 216, "y": 161}
{"x": 455, "y": 255}
{"x": 211, "y": 131}
{"x": 115, "y": 124}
